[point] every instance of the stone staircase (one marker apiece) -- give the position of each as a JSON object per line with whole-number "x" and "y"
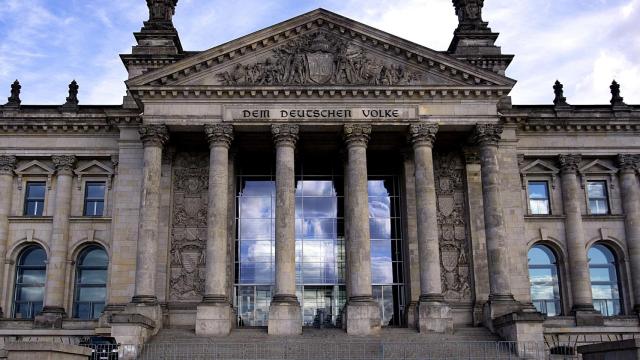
{"x": 316, "y": 344}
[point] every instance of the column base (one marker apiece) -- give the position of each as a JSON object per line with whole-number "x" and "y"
{"x": 587, "y": 315}
{"x": 524, "y": 327}
{"x": 362, "y": 316}
{"x": 285, "y": 316}
{"x": 214, "y": 318}
{"x": 50, "y": 318}
{"x": 434, "y": 315}
{"x": 499, "y": 305}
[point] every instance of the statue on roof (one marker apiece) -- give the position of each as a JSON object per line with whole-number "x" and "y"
{"x": 469, "y": 13}
{"x": 14, "y": 99}
{"x": 161, "y": 10}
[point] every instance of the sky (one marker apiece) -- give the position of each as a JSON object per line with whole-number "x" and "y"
{"x": 583, "y": 43}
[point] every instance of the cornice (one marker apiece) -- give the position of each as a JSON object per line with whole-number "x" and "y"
{"x": 41, "y": 123}
{"x": 225, "y": 92}
{"x": 594, "y": 124}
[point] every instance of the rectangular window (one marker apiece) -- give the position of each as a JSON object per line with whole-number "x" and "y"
{"x": 539, "y": 198}
{"x": 598, "y": 199}
{"x": 94, "y": 199}
{"x": 34, "y": 198}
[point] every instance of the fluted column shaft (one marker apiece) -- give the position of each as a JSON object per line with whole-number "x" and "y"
{"x": 630, "y": 193}
{"x": 57, "y": 262}
{"x": 153, "y": 138}
{"x": 577, "y": 253}
{"x": 220, "y": 137}
{"x": 357, "y": 236}
{"x": 7, "y": 165}
{"x": 422, "y": 138}
{"x": 487, "y": 136}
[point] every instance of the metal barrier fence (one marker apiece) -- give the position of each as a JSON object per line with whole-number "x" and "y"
{"x": 501, "y": 350}
{"x": 104, "y": 351}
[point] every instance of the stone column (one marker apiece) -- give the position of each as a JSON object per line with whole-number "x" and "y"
{"x": 214, "y": 315}
{"x": 53, "y": 310}
{"x": 434, "y": 313}
{"x": 630, "y": 193}
{"x": 411, "y": 237}
{"x": 575, "y": 239}
{"x": 362, "y": 313}
{"x": 7, "y": 165}
{"x": 285, "y": 317}
{"x": 501, "y": 300}
{"x": 153, "y": 138}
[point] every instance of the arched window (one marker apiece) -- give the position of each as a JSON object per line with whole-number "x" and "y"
{"x": 91, "y": 283}
{"x": 603, "y": 270}
{"x": 543, "y": 277}
{"x": 30, "y": 280}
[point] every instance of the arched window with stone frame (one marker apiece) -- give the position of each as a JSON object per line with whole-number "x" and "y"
{"x": 544, "y": 280}
{"x": 605, "y": 280}
{"x": 91, "y": 283}
{"x": 31, "y": 272}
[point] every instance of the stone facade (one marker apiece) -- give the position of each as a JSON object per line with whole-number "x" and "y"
{"x": 177, "y": 157}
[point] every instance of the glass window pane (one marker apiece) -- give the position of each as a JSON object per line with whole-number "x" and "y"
{"x": 315, "y": 188}
{"x": 380, "y": 229}
{"x": 596, "y": 189}
{"x": 34, "y": 256}
{"x": 31, "y": 276}
{"x": 256, "y": 207}
{"x": 256, "y": 251}
{"x": 93, "y": 294}
{"x": 539, "y": 207}
{"x": 601, "y": 274}
{"x": 31, "y": 293}
{"x": 95, "y": 277}
{"x": 95, "y": 257}
{"x": 95, "y": 190}
{"x": 35, "y": 190}
{"x": 538, "y": 190}
{"x": 320, "y": 207}
{"x": 256, "y": 229}
{"x": 539, "y": 256}
{"x": 598, "y": 206}
{"x": 377, "y": 188}
{"x": 379, "y": 207}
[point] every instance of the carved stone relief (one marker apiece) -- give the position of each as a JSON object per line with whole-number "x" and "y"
{"x": 452, "y": 227}
{"x": 319, "y": 58}
{"x": 189, "y": 226}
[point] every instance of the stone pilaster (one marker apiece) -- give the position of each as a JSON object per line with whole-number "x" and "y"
{"x": 7, "y": 165}
{"x": 630, "y": 193}
{"x": 285, "y": 317}
{"x": 575, "y": 240}
{"x": 153, "y": 139}
{"x": 501, "y": 300}
{"x": 53, "y": 310}
{"x": 214, "y": 315}
{"x": 362, "y": 313}
{"x": 411, "y": 237}
{"x": 434, "y": 313}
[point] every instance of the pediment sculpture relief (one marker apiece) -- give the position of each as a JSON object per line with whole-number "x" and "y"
{"x": 319, "y": 59}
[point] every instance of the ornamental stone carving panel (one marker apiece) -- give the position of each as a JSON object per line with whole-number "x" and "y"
{"x": 452, "y": 226}
{"x": 316, "y": 59}
{"x": 189, "y": 226}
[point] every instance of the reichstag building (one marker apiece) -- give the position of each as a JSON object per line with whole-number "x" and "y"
{"x": 319, "y": 173}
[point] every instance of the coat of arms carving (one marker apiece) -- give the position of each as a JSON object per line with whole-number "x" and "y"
{"x": 317, "y": 59}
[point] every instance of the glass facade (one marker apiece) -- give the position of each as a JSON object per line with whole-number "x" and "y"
{"x": 320, "y": 248}
{"x": 91, "y": 283}
{"x": 543, "y": 278}
{"x": 30, "y": 280}
{"x": 94, "y": 199}
{"x": 603, "y": 271}
{"x": 538, "y": 198}
{"x": 598, "y": 199}
{"x": 34, "y": 198}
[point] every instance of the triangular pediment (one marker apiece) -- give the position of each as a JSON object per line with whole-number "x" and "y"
{"x": 598, "y": 167}
{"x": 539, "y": 167}
{"x": 319, "y": 49}
{"x": 35, "y": 167}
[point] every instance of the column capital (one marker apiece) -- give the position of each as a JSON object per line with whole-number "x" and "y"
{"x": 154, "y": 135}
{"x": 7, "y": 164}
{"x": 569, "y": 163}
{"x": 628, "y": 162}
{"x": 64, "y": 163}
{"x": 285, "y": 134}
{"x": 219, "y": 134}
{"x": 487, "y": 134}
{"x": 357, "y": 134}
{"x": 423, "y": 134}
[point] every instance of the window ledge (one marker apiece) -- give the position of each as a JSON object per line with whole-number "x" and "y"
{"x": 90, "y": 219}
{"x": 43, "y": 219}
{"x": 544, "y": 217}
{"x": 603, "y": 217}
